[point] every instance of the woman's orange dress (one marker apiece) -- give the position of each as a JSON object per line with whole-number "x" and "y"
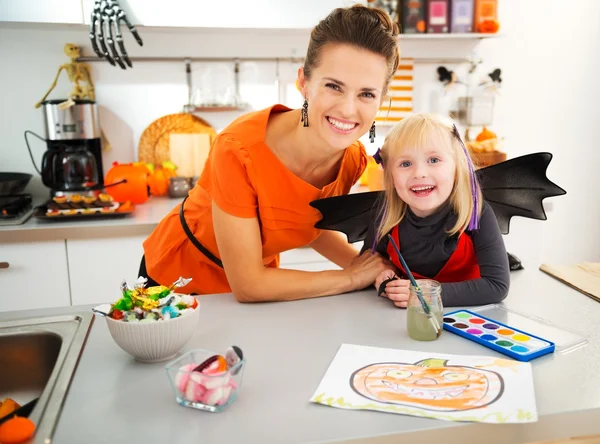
{"x": 245, "y": 179}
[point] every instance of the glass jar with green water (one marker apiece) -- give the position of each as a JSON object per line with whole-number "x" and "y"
{"x": 418, "y": 323}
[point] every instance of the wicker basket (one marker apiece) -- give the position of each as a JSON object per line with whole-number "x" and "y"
{"x": 154, "y": 141}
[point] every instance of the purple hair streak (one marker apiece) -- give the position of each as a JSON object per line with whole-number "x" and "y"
{"x": 474, "y": 222}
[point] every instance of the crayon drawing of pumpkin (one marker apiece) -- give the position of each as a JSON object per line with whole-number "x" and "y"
{"x": 429, "y": 384}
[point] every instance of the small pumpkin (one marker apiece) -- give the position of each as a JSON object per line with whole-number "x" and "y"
{"x": 488, "y": 26}
{"x": 430, "y": 384}
{"x": 485, "y": 134}
{"x": 135, "y": 187}
{"x": 158, "y": 181}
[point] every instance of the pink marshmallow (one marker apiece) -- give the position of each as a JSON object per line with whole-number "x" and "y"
{"x": 213, "y": 397}
{"x": 182, "y": 377}
{"x": 194, "y": 392}
{"x": 213, "y": 381}
{"x": 226, "y": 393}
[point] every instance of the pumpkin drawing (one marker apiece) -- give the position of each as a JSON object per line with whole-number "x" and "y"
{"x": 429, "y": 384}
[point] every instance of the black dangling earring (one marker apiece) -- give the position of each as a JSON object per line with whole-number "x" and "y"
{"x": 305, "y": 113}
{"x": 372, "y": 133}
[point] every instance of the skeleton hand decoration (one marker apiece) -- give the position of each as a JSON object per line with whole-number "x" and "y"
{"x": 106, "y": 19}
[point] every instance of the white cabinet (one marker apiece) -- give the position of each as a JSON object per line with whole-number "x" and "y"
{"x": 97, "y": 267}
{"x": 230, "y": 14}
{"x": 42, "y": 11}
{"x": 36, "y": 277}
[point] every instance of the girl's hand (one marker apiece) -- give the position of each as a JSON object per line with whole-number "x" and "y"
{"x": 397, "y": 290}
{"x": 384, "y": 275}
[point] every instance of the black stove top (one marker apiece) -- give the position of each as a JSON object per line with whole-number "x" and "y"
{"x": 15, "y": 209}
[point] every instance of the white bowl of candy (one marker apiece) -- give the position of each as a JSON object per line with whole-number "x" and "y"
{"x": 205, "y": 380}
{"x": 151, "y": 324}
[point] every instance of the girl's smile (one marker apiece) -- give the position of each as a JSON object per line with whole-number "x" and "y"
{"x": 424, "y": 179}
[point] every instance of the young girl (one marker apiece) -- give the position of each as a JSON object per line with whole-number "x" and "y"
{"x": 435, "y": 213}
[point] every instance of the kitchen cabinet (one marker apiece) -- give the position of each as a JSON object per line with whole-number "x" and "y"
{"x": 42, "y": 11}
{"x": 97, "y": 267}
{"x": 37, "y": 275}
{"x": 274, "y": 14}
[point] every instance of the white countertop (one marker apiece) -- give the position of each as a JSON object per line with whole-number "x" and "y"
{"x": 289, "y": 346}
{"x": 142, "y": 221}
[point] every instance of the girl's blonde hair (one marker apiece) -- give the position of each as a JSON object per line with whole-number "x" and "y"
{"x": 420, "y": 131}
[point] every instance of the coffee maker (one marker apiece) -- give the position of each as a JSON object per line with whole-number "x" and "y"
{"x": 72, "y": 162}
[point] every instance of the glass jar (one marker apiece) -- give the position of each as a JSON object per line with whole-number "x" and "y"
{"x": 418, "y": 323}
{"x": 179, "y": 186}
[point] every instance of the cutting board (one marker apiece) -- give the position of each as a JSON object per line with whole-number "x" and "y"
{"x": 584, "y": 277}
{"x": 189, "y": 153}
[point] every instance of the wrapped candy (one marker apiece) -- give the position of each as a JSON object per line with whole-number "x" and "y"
{"x": 139, "y": 303}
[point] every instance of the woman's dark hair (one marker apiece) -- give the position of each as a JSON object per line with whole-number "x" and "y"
{"x": 361, "y": 26}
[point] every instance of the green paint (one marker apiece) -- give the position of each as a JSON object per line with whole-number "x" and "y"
{"x": 524, "y": 416}
{"x": 504, "y": 343}
{"x": 419, "y": 326}
{"x": 462, "y": 315}
{"x": 432, "y": 362}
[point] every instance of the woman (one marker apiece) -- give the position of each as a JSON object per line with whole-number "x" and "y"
{"x": 252, "y": 201}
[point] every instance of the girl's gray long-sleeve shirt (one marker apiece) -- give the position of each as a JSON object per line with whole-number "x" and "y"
{"x": 426, "y": 247}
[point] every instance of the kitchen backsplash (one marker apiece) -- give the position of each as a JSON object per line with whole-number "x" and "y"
{"x": 549, "y": 98}
{"x": 130, "y": 100}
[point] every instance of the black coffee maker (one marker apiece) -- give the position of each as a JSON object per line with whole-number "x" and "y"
{"x": 72, "y": 162}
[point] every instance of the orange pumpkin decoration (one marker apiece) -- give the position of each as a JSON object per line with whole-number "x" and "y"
{"x": 486, "y": 134}
{"x": 488, "y": 26}
{"x": 159, "y": 181}
{"x": 430, "y": 384}
{"x": 135, "y": 189}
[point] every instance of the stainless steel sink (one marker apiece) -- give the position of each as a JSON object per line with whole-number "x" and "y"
{"x": 38, "y": 358}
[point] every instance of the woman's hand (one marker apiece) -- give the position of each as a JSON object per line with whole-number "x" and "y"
{"x": 396, "y": 290}
{"x": 365, "y": 268}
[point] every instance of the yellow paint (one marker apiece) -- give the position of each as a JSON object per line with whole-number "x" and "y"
{"x": 520, "y": 337}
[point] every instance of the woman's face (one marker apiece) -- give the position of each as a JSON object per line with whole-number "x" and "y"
{"x": 344, "y": 93}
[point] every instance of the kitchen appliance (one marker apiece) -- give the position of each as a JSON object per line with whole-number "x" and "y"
{"x": 15, "y": 209}
{"x": 73, "y": 158}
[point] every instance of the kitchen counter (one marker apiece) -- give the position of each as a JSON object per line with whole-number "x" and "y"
{"x": 141, "y": 222}
{"x": 289, "y": 346}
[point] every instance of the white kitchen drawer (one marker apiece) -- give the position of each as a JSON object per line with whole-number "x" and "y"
{"x": 312, "y": 266}
{"x": 97, "y": 267}
{"x": 306, "y": 255}
{"x": 36, "y": 277}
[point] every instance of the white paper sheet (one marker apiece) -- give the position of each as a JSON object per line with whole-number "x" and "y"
{"x": 430, "y": 385}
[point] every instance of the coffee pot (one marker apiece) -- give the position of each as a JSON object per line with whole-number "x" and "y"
{"x": 73, "y": 158}
{"x": 69, "y": 168}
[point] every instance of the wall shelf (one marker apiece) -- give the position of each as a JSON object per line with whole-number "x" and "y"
{"x": 449, "y": 36}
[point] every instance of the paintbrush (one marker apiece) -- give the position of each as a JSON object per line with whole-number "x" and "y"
{"x": 422, "y": 300}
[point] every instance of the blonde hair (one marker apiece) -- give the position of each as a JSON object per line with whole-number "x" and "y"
{"x": 417, "y": 132}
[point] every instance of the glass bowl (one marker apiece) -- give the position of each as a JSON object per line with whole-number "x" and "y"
{"x": 208, "y": 392}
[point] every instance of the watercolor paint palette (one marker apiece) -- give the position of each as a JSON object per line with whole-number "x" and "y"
{"x": 510, "y": 341}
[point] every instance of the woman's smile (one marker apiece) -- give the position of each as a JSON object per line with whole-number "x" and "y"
{"x": 341, "y": 126}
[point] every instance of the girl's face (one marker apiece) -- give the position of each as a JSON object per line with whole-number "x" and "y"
{"x": 424, "y": 178}
{"x": 344, "y": 93}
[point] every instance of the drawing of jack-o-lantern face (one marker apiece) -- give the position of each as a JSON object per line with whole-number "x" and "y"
{"x": 429, "y": 384}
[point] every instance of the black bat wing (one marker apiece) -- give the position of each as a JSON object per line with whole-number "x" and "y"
{"x": 517, "y": 187}
{"x": 352, "y": 214}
